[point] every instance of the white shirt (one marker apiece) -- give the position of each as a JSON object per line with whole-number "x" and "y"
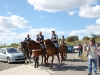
{"x": 92, "y": 53}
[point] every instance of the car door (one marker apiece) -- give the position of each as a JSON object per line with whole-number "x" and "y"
{"x": 3, "y": 55}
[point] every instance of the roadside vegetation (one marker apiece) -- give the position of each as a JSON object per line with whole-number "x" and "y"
{"x": 83, "y": 57}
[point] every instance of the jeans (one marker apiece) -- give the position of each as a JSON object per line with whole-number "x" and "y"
{"x": 80, "y": 52}
{"x": 56, "y": 44}
{"x": 90, "y": 65}
{"x": 43, "y": 47}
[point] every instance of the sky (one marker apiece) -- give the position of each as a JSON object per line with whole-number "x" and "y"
{"x": 66, "y": 17}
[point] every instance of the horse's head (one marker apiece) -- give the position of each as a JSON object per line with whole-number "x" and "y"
{"x": 23, "y": 44}
{"x": 48, "y": 43}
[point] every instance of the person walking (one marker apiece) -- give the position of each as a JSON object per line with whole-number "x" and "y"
{"x": 80, "y": 49}
{"x": 91, "y": 50}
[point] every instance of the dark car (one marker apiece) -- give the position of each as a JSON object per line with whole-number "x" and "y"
{"x": 70, "y": 49}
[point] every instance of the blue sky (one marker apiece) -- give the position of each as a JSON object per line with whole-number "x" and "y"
{"x": 67, "y": 17}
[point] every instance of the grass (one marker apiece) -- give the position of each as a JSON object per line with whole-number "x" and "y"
{"x": 83, "y": 57}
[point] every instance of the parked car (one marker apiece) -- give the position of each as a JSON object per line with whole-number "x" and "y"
{"x": 10, "y": 54}
{"x": 70, "y": 49}
{"x": 76, "y": 47}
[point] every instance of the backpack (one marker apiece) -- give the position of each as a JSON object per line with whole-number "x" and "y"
{"x": 80, "y": 47}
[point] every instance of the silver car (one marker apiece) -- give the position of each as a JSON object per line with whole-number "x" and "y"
{"x": 11, "y": 55}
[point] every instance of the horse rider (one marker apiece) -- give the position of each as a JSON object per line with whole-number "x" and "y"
{"x": 27, "y": 38}
{"x": 54, "y": 39}
{"x": 62, "y": 41}
{"x": 40, "y": 40}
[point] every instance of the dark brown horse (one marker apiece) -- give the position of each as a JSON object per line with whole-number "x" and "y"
{"x": 36, "y": 50}
{"x": 63, "y": 52}
{"x": 26, "y": 53}
{"x": 50, "y": 51}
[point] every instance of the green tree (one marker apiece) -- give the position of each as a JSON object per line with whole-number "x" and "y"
{"x": 75, "y": 38}
{"x": 14, "y": 45}
{"x": 70, "y": 39}
{"x": 85, "y": 38}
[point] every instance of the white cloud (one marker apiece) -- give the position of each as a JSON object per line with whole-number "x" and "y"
{"x": 88, "y": 11}
{"x": 98, "y": 21}
{"x": 58, "y": 5}
{"x": 71, "y": 13}
{"x": 90, "y": 29}
{"x": 9, "y": 37}
{"x": 12, "y": 22}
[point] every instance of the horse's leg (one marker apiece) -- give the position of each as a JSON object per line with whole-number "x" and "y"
{"x": 42, "y": 59}
{"x": 52, "y": 62}
{"x": 58, "y": 58}
{"x": 30, "y": 53}
{"x": 47, "y": 61}
{"x": 61, "y": 58}
{"x": 37, "y": 62}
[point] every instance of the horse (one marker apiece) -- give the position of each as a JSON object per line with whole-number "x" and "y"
{"x": 63, "y": 52}
{"x": 36, "y": 50}
{"x": 50, "y": 51}
{"x": 24, "y": 50}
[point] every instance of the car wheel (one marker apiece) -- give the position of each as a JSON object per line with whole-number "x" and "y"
{"x": 8, "y": 60}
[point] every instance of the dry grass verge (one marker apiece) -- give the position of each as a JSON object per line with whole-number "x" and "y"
{"x": 83, "y": 57}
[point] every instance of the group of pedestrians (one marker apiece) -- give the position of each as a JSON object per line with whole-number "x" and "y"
{"x": 92, "y": 51}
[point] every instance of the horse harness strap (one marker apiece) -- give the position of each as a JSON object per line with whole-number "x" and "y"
{"x": 36, "y": 50}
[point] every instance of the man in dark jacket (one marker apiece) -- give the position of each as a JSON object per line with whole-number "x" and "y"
{"x": 40, "y": 40}
{"x": 54, "y": 39}
{"x": 27, "y": 38}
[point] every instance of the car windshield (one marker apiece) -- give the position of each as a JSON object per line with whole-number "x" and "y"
{"x": 13, "y": 50}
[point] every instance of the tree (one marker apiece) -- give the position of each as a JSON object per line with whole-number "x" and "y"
{"x": 98, "y": 36}
{"x": 70, "y": 39}
{"x": 85, "y": 38}
{"x": 14, "y": 45}
{"x": 75, "y": 38}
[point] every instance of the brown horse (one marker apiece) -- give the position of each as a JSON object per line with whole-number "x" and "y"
{"x": 50, "y": 51}
{"x": 36, "y": 50}
{"x": 24, "y": 50}
{"x": 63, "y": 52}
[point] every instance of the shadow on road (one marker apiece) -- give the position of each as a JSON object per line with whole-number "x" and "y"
{"x": 65, "y": 67}
{"x": 75, "y": 60}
